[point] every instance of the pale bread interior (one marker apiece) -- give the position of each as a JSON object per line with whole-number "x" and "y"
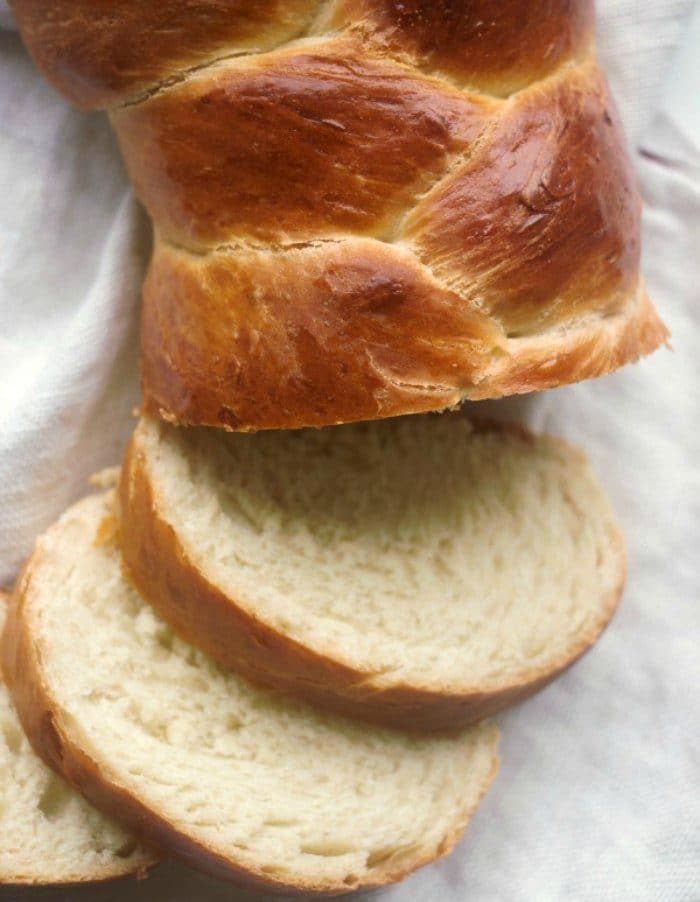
{"x": 418, "y": 551}
{"x": 276, "y": 787}
{"x": 48, "y": 833}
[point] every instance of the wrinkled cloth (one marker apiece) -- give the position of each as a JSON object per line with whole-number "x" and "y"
{"x": 598, "y": 797}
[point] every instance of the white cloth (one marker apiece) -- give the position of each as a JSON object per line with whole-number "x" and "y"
{"x": 598, "y": 797}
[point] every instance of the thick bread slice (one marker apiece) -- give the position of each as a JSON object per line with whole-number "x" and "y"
{"x": 48, "y": 833}
{"x": 233, "y": 779}
{"x": 420, "y": 572}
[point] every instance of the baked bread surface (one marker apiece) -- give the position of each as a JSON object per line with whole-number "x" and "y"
{"x": 363, "y": 208}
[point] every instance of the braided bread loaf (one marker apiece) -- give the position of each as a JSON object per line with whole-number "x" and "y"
{"x": 363, "y": 208}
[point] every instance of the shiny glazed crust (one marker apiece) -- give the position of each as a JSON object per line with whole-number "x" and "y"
{"x": 54, "y": 740}
{"x": 228, "y": 630}
{"x": 101, "y": 53}
{"x": 363, "y": 208}
{"x": 349, "y": 341}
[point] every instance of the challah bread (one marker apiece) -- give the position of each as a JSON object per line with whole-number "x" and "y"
{"x": 48, "y": 833}
{"x": 422, "y": 573}
{"x": 101, "y": 54}
{"x": 363, "y": 208}
{"x": 233, "y": 779}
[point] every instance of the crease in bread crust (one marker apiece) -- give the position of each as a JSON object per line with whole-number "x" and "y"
{"x": 75, "y": 717}
{"x": 49, "y": 836}
{"x": 435, "y": 257}
{"x": 310, "y": 648}
{"x": 196, "y": 344}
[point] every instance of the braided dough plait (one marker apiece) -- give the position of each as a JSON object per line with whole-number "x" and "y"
{"x": 363, "y": 208}
{"x": 234, "y": 780}
{"x": 99, "y": 53}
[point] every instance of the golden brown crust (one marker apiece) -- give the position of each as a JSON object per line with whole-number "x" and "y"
{"x": 306, "y": 337}
{"x": 100, "y": 53}
{"x": 308, "y": 142}
{"x": 497, "y": 47}
{"x": 228, "y": 630}
{"x": 592, "y": 348}
{"x": 518, "y": 270}
{"x": 542, "y": 221}
{"x": 346, "y": 331}
{"x": 57, "y": 742}
{"x": 105, "y": 877}
{"x": 140, "y": 873}
{"x": 509, "y": 227}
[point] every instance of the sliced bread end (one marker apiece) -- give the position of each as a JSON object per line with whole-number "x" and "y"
{"x": 511, "y": 528}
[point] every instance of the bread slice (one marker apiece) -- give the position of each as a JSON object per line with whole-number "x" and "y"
{"x": 48, "y": 833}
{"x": 233, "y": 779}
{"x": 421, "y": 572}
